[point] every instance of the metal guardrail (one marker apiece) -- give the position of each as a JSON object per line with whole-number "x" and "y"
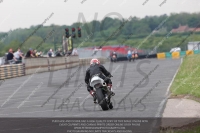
{"x": 11, "y": 71}
{"x": 31, "y": 65}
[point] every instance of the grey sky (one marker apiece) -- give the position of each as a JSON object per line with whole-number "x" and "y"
{"x": 24, "y": 13}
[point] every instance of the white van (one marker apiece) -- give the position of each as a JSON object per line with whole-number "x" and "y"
{"x": 176, "y": 49}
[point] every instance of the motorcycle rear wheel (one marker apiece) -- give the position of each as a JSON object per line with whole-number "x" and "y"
{"x": 101, "y": 100}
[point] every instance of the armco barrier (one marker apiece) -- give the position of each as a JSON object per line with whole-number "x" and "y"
{"x": 10, "y": 71}
{"x": 33, "y": 65}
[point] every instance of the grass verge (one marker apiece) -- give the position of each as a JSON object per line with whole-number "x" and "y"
{"x": 187, "y": 80}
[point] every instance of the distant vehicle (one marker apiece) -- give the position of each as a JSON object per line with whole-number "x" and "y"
{"x": 113, "y": 58}
{"x": 176, "y": 49}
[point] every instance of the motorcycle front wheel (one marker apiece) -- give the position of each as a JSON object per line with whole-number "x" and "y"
{"x": 101, "y": 99}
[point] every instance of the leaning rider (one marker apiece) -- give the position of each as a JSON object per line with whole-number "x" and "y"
{"x": 97, "y": 69}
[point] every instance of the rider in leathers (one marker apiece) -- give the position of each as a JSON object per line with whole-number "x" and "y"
{"x": 97, "y": 69}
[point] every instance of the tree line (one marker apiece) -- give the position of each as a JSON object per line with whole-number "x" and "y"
{"x": 132, "y": 33}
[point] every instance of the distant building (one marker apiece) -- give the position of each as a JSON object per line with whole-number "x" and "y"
{"x": 181, "y": 29}
{"x": 185, "y": 28}
{"x": 193, "y": 45}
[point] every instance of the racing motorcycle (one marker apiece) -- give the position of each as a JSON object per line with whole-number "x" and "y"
{"x": 129, "y": 57}
{"x": 102, "y": 93}
{"x": 113, "y": 58}
{"x": 132, "y": 57}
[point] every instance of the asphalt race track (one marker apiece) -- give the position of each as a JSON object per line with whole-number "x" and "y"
{"x": 24, "y": 96}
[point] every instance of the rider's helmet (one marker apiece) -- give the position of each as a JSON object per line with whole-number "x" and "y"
{"x": 94, "y": 61}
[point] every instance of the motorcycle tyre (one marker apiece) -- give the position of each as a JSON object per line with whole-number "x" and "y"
{"x": 100, "y": 98}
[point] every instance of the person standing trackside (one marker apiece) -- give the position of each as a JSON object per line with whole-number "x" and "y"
{"x": 50, "y": 53}
{"x": 74, "y": 52}
{"x": 30, "y": 53}
{"x": 58, "y": 53}
{"x": 18, "y": 55}
{"x": 34, "y": 53}
{"x": 10, "y": 57}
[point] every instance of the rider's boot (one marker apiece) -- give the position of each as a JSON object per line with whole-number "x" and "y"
{"x": 93, "y": 95}
{"x": 110, "y": 88}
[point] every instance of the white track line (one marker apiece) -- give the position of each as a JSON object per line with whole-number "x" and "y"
{"x": 168, "y": 89}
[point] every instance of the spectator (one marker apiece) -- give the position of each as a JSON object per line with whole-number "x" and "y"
{"x": 74, "y": 52}
{"x": 69, "y": 52}
{"x": 30, "y": 53}
{"x": 64, "y": 52}
{"x": 39, "y": 54}
{"x": 34, "y": 53}
{"x": 50, "y": 53}
{"x": 59, "y": 53}
{"x": 18, "y": 55}
{"x": 10, "y": 57}
{"x": 20, "y": 58}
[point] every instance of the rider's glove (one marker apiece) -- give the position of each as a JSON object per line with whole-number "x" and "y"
{"x": 92, "y": 92}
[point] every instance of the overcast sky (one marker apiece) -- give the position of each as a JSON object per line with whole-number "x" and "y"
{"x": 24, "y": 13}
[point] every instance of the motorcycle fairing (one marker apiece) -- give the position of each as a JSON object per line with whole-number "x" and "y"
{"x": 95, "y": 80}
